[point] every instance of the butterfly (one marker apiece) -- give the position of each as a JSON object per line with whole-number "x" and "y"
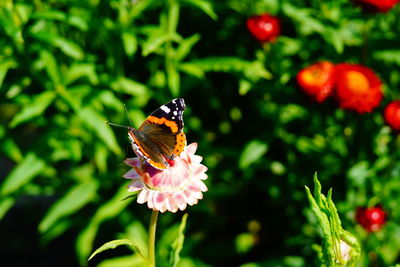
{"x": 160, "y": 138}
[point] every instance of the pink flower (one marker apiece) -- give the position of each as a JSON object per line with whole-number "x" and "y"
{"x": 170, "y": 189}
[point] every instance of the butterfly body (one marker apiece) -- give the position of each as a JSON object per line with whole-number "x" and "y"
{"x": 160, "y": 137}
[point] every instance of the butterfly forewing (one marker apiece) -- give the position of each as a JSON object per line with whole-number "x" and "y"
{"x": 160, "y": 138}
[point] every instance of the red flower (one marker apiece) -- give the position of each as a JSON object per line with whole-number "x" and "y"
{"x": 377, "y": 5}
{"x": 317, "y": 80}
{"x": 371, "y": 219}
{"x": 264, "y": 27}
{"x": 392, "y": 115}
{"x": 357, "y": 87}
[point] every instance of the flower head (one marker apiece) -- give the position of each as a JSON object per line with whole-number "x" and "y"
{"x": 264, "y": 27}
{"x": 377, "y": 5}
{"x": 357, "y": 87}
{"x": 371, "y": 219}
{"x": 317, "y": 80}
{"x": 392, "y": 115}
{"x": 170, "y": 189}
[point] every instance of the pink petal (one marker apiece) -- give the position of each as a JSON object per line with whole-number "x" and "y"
{"x": 133, "y": 162}
{"x": 143, "y": 196}
{"x": 131, "y": 174}
{"x": 136, "y": 186}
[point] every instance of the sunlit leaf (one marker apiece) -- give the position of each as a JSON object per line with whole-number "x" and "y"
{"x": 35, "y": 108}
{"x": 203, "y": 5}
{"x": 252, "y": 152}
{"x": 115, "y": 243}
{"x": 96, "y": 122}
{"x": 177, "y": 245}
{"x": 5, "y": 205}
{"x": 76, "y": 198}
{"x": 107, "y": 211}
{"x": 22, "y": 174}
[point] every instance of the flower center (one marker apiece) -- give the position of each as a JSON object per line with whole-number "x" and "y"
{"x": 356, "y": 81}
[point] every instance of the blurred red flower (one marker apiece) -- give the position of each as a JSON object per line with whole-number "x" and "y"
{"x": 377, "y": 5}
{"x": 392, "y": 115}
{"x": 264, "y": 27}
{"x": 317, "y": 80}
{"x": 357, "y": 87}
{"x": 371, "y": 219}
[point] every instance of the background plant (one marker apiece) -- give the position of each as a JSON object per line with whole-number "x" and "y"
{"x": 67, "y": 66}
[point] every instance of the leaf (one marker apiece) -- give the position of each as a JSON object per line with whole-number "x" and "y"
{"x": 250, "y": 69}
{"x": 388, "y": 56}
{"x": 50, "y": 63}
{"x": 177, "y": 245}
{"x": 115, "y": 243}
{"x": 66, "y": 46}
{"x": 5, "y": 205}
{"x": 185, "y": 46}
{"x": 11, "y": 150}
{"x": 33, "y": 109}
{"x": 4, "y": 67}
{"x": 128, "y": 86}
{"x": 359, "y": 173}
{"x": 80, "y": 70}
{"x": 253, "y": 151}
{"x": 173, "y": 80}
{"x": 205, "y": 6}
{"x": 108, "y": 210}
{"x": 95, "y": 121}
{"x": 22, "y": 174}
{"x": 130, "y": 43}
{"x": 76, "y": 198}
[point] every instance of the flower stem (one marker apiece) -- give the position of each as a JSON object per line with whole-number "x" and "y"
{"x": 152, "y": 237}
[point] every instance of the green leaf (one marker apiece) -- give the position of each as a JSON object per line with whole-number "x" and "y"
{"x": 76, "y": 198}
{"x": 153, "y": 43}
{"x": 173, "y": 80}
{"x": 252, "y": 152}
{"x": 80, "y": 70}
{"x": 185, "y": 46}
{"x": 95, "y": 121}
{"x": 115, "y": 243}
{"x": 128, "y": 86}
{"x": 107, "y": 211}
{"x": 388, "y": 56}
{"x": 203, "y": 5}
{"x": 11, "y": 150}
{"x": 33, "y": 109}
{"x": 130, "y": 43}
{"x": 50, "y": 63}
{"x": 4, "y": 67}
{"x": 5, "y": 205}
{"x": 22, "y": 174}
{"x": 66, "y": 46}
{"x": 177, "y": 245}
{"x": 250, "y": 69}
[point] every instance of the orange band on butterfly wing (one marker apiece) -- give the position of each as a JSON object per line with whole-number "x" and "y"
{"x": 180, "y": 143}
{"x": 171, "y": 124}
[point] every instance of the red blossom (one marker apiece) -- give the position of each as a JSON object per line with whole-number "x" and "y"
{"x": 392, "y": 115}
{"x": 371, "y": 219}
{"x": 264, "y": 27}
{"x": 377, "y": 5}
{"x": 317, "y": 80}
{"x": 358, "y": 88}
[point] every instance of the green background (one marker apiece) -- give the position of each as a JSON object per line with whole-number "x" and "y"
{"x": 67, "y": 66}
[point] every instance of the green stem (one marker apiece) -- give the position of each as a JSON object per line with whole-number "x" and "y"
{"x": 152, "y": 238}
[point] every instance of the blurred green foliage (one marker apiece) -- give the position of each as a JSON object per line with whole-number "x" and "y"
{"x": 67, "y": 66}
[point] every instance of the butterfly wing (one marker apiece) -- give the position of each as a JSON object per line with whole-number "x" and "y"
{"x": 160, "y": 138}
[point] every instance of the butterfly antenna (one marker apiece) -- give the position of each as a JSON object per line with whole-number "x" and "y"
{"x": 117, "y": 125}
{"x": 127, "y": 114}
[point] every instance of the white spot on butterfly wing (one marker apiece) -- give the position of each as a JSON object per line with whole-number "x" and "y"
{"x": 165, "y": 109}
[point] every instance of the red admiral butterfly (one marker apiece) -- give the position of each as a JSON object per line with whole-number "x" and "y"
{"x": 160, "y": 137}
